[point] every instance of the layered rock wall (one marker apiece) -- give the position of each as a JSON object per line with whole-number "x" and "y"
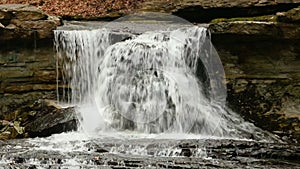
{"x": 27, "y": 66}
{"x": 25, "y": 22}
{"x": 263, "y": 81}
{"x": 261, "y": 57}
{"x": 27, "y": 60}
{"x": 207, "y": 10}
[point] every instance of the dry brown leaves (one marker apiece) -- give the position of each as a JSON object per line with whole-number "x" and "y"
{"x": 82, "y": 8}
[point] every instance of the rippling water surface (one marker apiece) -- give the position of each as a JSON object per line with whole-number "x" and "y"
{"x": 131, "y": 150}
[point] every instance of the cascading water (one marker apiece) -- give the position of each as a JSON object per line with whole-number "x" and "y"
{"x": 147, "y": 83}
{"x": 84, "y": 52}
{"x": 148, "y": 99}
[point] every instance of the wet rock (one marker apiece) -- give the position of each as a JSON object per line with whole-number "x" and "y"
{"x": 53, "y": 119}
{"x": 186, "y": 152}
{"x": 19, "y": 160}
{"x": 101, "y": 150}
{"x": 263, "y": 81}
{"x": 42, "y": 118}
{"x": 218, "y": 154}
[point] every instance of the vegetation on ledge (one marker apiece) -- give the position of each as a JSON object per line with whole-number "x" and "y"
{"x": 266, "y": 18}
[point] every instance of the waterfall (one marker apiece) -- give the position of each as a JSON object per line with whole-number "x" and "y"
{"x": 82, "y": 52}
{"x": 157, "y": 82}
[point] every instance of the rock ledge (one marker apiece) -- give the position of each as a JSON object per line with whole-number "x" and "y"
{"x": 19, "y": 21}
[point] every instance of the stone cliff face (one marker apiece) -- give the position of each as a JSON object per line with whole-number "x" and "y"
{"x": 261, "y": 57}
{"x": 260, "y": 54}
{"x": 27, "y": 73}
{"x": 206, "y": 10}
{"x": 263, "y": 81}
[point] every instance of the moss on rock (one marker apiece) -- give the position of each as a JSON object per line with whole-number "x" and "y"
{"x": 265, "y": 18}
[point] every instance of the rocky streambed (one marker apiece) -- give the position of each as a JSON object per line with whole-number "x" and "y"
{"x": 70, "y": 150}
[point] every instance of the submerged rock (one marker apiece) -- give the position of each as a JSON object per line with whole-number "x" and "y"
{"x": 147, "y": 153}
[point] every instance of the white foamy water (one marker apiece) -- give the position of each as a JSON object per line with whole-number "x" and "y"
{"x": 151, "y": 83}
{"x": 63, "y": 142}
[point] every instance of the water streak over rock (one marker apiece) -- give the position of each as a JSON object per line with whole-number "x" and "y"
{"x": 141, "y": 84}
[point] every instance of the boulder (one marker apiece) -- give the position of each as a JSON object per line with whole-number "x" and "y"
{"x": 25, "y": 22}
{"x": 54, "y": 119}
{"x": 41, "y": 118}
{"x": 21, "y": 12}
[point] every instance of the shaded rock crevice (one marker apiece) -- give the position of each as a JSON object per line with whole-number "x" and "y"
{"x": 204, "y": 11}
{"x": 263, "y": 78}
{"x": 198, "y": 14}
{"x": 275, "y": 111}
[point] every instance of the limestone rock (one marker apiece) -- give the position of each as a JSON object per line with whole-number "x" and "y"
{"x": 263, "y": 77}
{"x": 292, "y": 15}
{"x": 21, "y": 12}
{"x": 25, "y": 22}
{"x": 206, "y": 10}
{"x": 57, "y": 120}
{"x": 10, "y": 130}
{"x": 45, "y": 76}
{"x": 29, "y": 87}
{"x": 4, "y": 15}
{"x": 26, "y": 74}
{"x": 41, "y": 118}
{"x": 257, "y": 29}
{"x": 244, "y": 28}
{"x": 11, "y": 26}
{"x": 178, "y": 5}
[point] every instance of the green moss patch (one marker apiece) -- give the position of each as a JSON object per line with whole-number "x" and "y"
{"x": 266, "y": 18}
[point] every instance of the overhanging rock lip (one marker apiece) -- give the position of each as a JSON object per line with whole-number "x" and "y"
{"x": 128, "y": 27}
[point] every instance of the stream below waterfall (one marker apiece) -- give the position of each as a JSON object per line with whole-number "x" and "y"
{"x": 76, "y": 150}
{"x": 147, "y": 95}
